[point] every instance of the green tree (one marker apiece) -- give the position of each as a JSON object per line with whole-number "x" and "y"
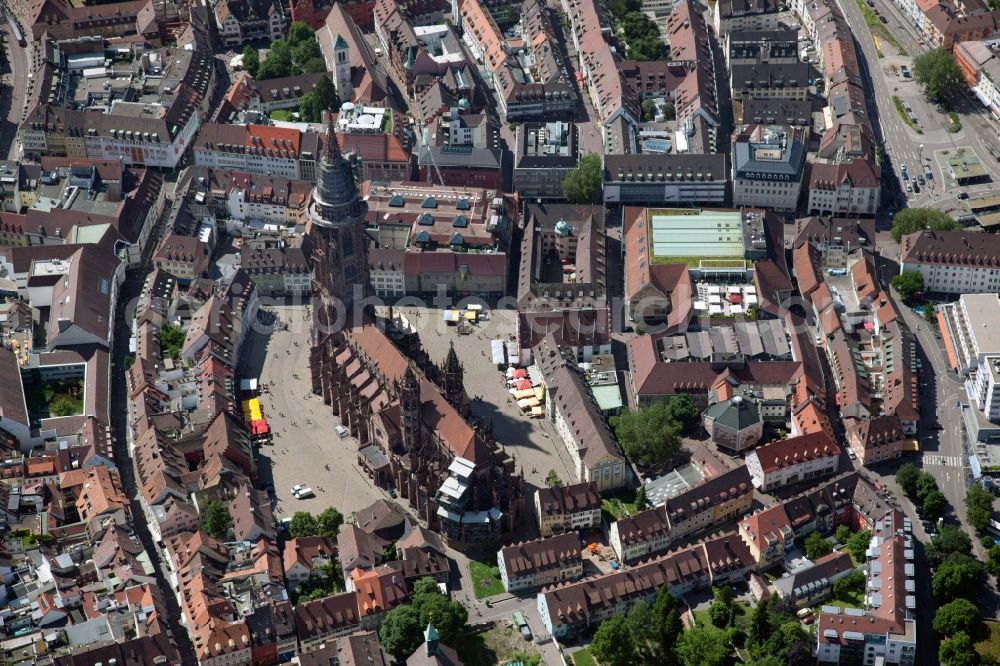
{"x": 843, "y": 533}
{"x": 648, "y": 434}
{"x": 959, "y": 576}
{"x": 858, "y": 544}
{"x": 63, "y": 406}
{"x": 926, "y": 484}
{"x": 171, "y": 341}
{"x": 978, "y": 506}
{"x": 215, "y": 520}
{"x": 910, "y": 220}
{"x": 788, "y": 637}
{"x": 906, "y": 477}
{"x": 720, "y": 613}
{"x": 647, "y": 49}
{"x": 930, "y": 313}
{"x": 760, "y": 622}
{"x": 299, "y": 32}
{"x": 701, "y": 647}
{"x": 622, "y": 8}
{"x": 251, "y": 60}
{"x": 327, "y": 580}
{"x": 637, "y": 25}
{"x": 449, "y": 617}
{"x": 935, "y": 504}
{"x": 313, "y": 65}
{"x": 306, "y": 50}
{"x": 326, "y": 94}
{"x": 682, "y": 409}
{"x": 667, "y": 625}
{"x": 303, "y": 525}
{"x": 958, "y": 650}
{"x": 328, "y": 523}
{"x": 908, "y": 284}
{"x": 612, "y": 643}
{"x": 939, "y": 74}
{"x": 816, "y": 546}
{"x": 401, "y": 631}
{"x": 993, "y": 561}
{"x": 278, "y": 62}
{"x": 648, "y": 109}
{"x": 960, "y": 615}
{"x": 669, "y": 111}
{"x": 583, "y": 184}
{"x": 950, "y": 540}
{"x": 310, "y": 109}
{"x": 552, "y": 479}
{"x": 640, "y": 629}
{"x": 850, "y": 585}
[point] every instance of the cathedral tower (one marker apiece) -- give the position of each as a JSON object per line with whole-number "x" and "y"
{"x": 337, "y": 229}
{"x": 409, "y": 407}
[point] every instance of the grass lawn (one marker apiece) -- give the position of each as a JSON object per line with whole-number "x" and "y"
{"x": 583, "y": 658}
{"x": 284, "y": 115}
{"x": 898, "y": 103}
{"x": 499, "y": 644}
{"x": 695, "y": 262}
{"x": 955, "y": 125}
{"x": 619, "y": 503}
{"x": 877, "y": 28}
{"x": 989, "y": 647}
{"x": 485, "y": 579}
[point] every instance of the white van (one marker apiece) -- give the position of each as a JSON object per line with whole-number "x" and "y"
{"x": 342, "y": 431}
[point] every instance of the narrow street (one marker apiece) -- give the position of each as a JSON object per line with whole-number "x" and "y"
{"x": 119, "y": 431}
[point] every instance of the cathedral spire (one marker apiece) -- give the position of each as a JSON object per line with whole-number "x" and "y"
{"x": 451, "y": 362}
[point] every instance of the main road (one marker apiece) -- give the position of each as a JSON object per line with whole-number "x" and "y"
{"x": 13, "y": 89}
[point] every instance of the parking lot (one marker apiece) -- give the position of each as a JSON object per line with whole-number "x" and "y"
{"x": 306, "y": 448}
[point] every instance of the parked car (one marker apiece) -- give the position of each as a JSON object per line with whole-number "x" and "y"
{"x": 304, "y": 492}
{"x": 342, "y": 431}
{"x": 905, "y": 71}
{"x": 883, "y": 19}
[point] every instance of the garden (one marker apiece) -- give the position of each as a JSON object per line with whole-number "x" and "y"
{"x": 62, "y": 398}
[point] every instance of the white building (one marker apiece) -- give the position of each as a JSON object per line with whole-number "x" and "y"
{"x": 953, "y": 262}
{"x": 972, "y": 325}
{"x": 792, "y": 460}
{"x": 767, "y": 169}
{"x": 386, "y": 272}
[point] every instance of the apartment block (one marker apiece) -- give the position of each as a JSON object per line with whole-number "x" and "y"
{"x": 529, "y": 566}
{"x": 567, "y": 508}
{"x": 792, "y": 460}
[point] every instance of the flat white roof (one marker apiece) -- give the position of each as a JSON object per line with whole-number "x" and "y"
{"x": 983, "y": 312}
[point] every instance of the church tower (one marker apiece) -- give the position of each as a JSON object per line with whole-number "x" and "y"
{"x": 336, "y": 231}
{"x": 409, "y": 407}
{"x": 342, "y": 69}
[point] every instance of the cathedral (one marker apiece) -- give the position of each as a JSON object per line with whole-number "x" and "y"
{"x": 410, "y": 415}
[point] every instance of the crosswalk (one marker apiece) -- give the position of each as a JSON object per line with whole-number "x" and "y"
{"x": 942, "y": 461}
